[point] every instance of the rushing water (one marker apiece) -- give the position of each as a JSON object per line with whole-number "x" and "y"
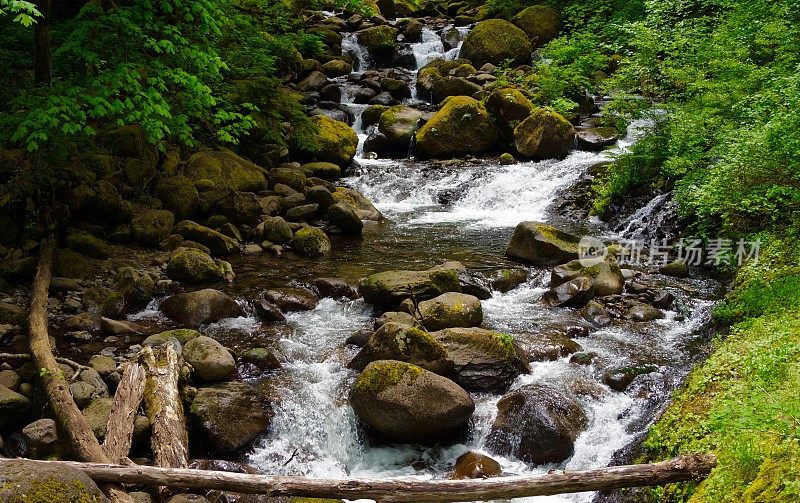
{"x": 464, "y": 211}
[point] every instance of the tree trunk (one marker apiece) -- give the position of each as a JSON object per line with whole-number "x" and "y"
{"x": 129, "y": 393}
{"x": 70, "y": 419}
{"x": 398, "y": 490}
{"x": 43, "y": 61}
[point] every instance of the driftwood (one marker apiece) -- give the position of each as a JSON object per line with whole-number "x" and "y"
{"x": 404, "y": 490}
{"x": 69, "y": 418}
{"x": 66, "y": 361}
{"x": 117, "y": 443}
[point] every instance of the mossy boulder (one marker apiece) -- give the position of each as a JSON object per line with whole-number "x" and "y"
{"x": 192, "y": 266}
{"x": 311, "y": 242}
{"x": 12, "y": 314}
{"x": 483, "y": 360}
{"x": 210, "y": 361}
{"x": 218, "y": 243}
{"x": 193, "y": 309}
{"x": 23, "y": 270}
{"x": 15, "y": 409}
{"x": 496, "y": 41}
{"x": 24, "y": 481}
{"x": 358, "y": 202}
{"x": 387, "y": 290}
{"x": 396, "y": 127}
{"x": 152, "y": 226}
{"x": 87, "y": 244}
{"x": 336, "y": 142}
{"x": 451, "y": 309}
{"x": 137, "y": 287}
{"x": 104, "y": 301}
{"x": 544, "y": 135}
{"x": 537, "y": 424}
{"x": 540, "y": 22}
{"x": 275, "y": 230}
{"x": 229, "y": 416}
{"x": 337, "y": 68}
{"x": 450, "y": 85}
{"x": 372, "y": 114}
{"x": 178, "y": 195}
{"x": 97, "y": 413}
{"x": 345, "y": 218}
{"x": 508, "y": 107}
{"x": 182, "y": 335}
{"x": 406, "y": 403}
{"x": 395, "y": 341}
{"x": 225, "y": 170}
{"x": 542, "y": 244}
{"x": 434, "y": 71}
{"x": 294, "y": 178}
{"x": 461, "y": 127}
{"x": 606, "y": 275}
{"x": 324, "y": 170}
{"x": 378, "y": 40}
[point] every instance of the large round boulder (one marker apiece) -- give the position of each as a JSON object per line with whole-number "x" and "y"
{"x": 291, "y": 299}
{"x": 275, "y": 230}
{"x": 178, "y": 195}
{"x": 483, "y": 360}
{"x": 396, "y": 127}
{"x": 540, "y": 22}
{"x": 152, "y": 226}
{"x": 345, "y": 218}
{"x": 24, "y": 481}
{"x": 336, "y": 142}
{"x": 451, "y": 309}
{"x": 496, "y": 41}
{"x": 508, "y": 107}
{"x": 542, "y": 244}
{"x": 394, "y": 341}
{"x": 192, "y": 266}
{"x": 311, "y": 242}
{"x": 209, "y": 359}
{"x": 225, "y": 169}
{"x": 544, "y": 135}
{"x": 203, "y": 306}
{"x": 378, "y": 40}
{"x": 537, "y": 424}
{"x": 406, "y": 403}
{"x": 461, "y": 126}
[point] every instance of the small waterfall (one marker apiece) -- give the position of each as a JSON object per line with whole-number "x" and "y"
{"x": 358, "y": 52}
{"x": 429, "y": 48}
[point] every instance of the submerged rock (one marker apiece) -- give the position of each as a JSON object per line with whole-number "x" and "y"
{"x": 406, "y": 403}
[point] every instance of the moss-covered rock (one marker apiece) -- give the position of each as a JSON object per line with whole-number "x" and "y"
{"x": 294, "y": 178}
{"x": 483, "y": 360}
{"x": 358, "y": 202}
{"x": 104, "y": 301}
{"x": 394, "y": 341}
{"x": 542, "y": 244}
{"x": 540, "y": 22}
{"x": 210, "y": 361}
{"x": 406, "y": 403}
{"x": 12, "y": 314}
{"x": 336, "y": 142}
{"x": 182, "y": 335}
{"x": 152, "y": 226}
{"x": 450, "y": 85}
{"x": 387, "y": 290}
{"x": 606, "y": 275}
{"x": 345, "y": 218}
{"x": 508, "y": 107}
{"x": 192, "y": 266}
{"x": 225, "y": 170}
{"x": 178, "y": 195}
{"x": 462, "y": 126}
{"x": 451, "y": 309}
{"x": 372, "y": 114}
{"x": 89, "y": 245}
{"x": 97, "y": 413}
{"x": 544, "y": 135}
{"x": 218, "y": 243}
{"x": 434, "y": 71}
{"x": 198, "y": 308}
{"x": 311, "y": 242}
{"x": 396, "y": 127}
{"x": 324, "y": 170}
{"x": 23, "y": 481}
{"x": 136, "y": 287}
{"x": 495, "y": 41}
{"x": 378, "y": 40}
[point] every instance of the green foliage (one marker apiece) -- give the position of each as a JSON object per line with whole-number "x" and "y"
{"x": 25, "y": 13}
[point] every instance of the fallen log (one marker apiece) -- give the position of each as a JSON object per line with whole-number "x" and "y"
{"x": 408, "y": 490}
{"x": 127, "y": 399}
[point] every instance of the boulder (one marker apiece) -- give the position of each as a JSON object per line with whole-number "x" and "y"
{"x": 596, "y": 314}
{"x": 505, "y": 280}
{"x": 397, "y": 317}
{"x": 229, "y": 416}
{"x": 192, "y": 266}
{"x": 496, "y": 41}
{"x": 544, "y": 134}
{"x": 334, "y": 288}
{"x": 42, "y": 440}
{"x": 508, "y": 107}
{"x": 542, "y": 244}
{"x": 378, "y": 40}
{"x": 393, "y": 341}
{"x": 182, "y": 335}
{"x": 302, "y": 213}
{"x": 387, "y": 290}
{"x": 396, "y": 127}
{"x": 262, "y": 358}
{"x": 406, "y": 403}
{"x": 14, "y": 408}
{"x": 137, "y": 287}
{"x": 291, "y": 298}
{"x": 119, "y": 327}
{"x": 210, "y": 361}
{"x": 540, "y": 22}
{"x": 337, "y": 68}
{"x": 311, "y": 242}
{"x": 345, "y": 218}
{"x": 103, "y": 301}
{"x": 178, "y": 195}
{"x": 450, "y": 85}
{"x": 336, "y": 142}
{"x": 275, "y": 230}
{"x": 12, "y": 314}
{"x": 546, "y": 346}
{"x": 218, "y": 243}
{"x": 152, "y": 226}
{"x": 97, "y": 413}
{"x": 677, "y": 269}
{"x": 238, "y": 207}
{"x": 474, "y": 465}
{"x": 225, "y": 170}
{"x": 574, "y": 293}
{"x": 641, "y": 312}
{"x": 268, "y": 311}
{"x": 620, "y": 378}
{"x": 89, "y": 245}
{"x": 10, "y": 379}
{"x": 360, "y": 204}
{"x": 537, "y": 424}
{"x": 103, "y": 365}
{"x": 314, "y": 81}
{"x": 596, "y": 138}
{"x": 483, "y": 360}
{"x": 321, "y": 196}
{"x": 449, "y": 310}
{"x": 460, "y": 127}
{"x": 203, "y": 306}
{"x": 606, "y": 275}
{"x": 24, "y": 481}
{"x": 324, "y": 170}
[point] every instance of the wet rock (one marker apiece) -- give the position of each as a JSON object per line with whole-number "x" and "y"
{"x": 677, "y": 269}
{"x": 337, "y": 68}
{"x": 324, "y": 170}
{"x": 218, "y": 243}
{"x": 292, "y": 299}
{"x": 119, "y": 327}
{"x": 268, "y": 311}
{"x": 474, "y": 465}
{"x": 537, "y": 424}
{"x": 311, "y": 242}
{"x": 596, "y": 138}
{"x": 583, "y": 358}
{"x": 397, "y": 317}
{"x": 544, "y": 135}
{"x": 345, "y": 218}
{"x": 182, "y": 335}
{"x": 64, "y": 285}
{"x": 15, "y": 409}
{"x": 508, "y": 107}
{"x": 209, "y": 359}
{"x": 644, "y": 312}
{"x": 663, "y": 300}
{"x": 387, "y": 290}
{"x": 596, "y": 314}
{"x": 606, "y": 276}
{"x": 320, "y": 196}
{"x": 262, "y": 358}
{"x": 620, "y": 378}
{"x": 505, "y": 280}
{"x": 192, "y": 266}
{"x": 547, "y": 346}
{"x": 314, "y": 81}
{"x": 540, "y": 22}
{"x": 302, "y": 213}
{"x": 475, "y": 284}
{"x": 229, "y": 416}
{"x": 41, "y": 438}
{"x": 542, "y": 244}
{"x": 574, "y": 293}
{"x": 23, "y": 481}
{"x": 396, "y": 127}
{"x": 450, "y": 85}
{"x": 152, "y": 226}
{"x": 461, "y": 126}
{"x": 495, "y": 41}
{"x": 378, "y": 40}
{"x": 334, "y": 288}
{"x": 275, "y": 230}
{"x": 449, "y": 310}
{"x": 483, "y": 360}
{"x": 360, "y": 204}
{"x": 336, "y": 142}
{"x": 393, "y": 341}
{"x": 200, "y": 307}
{"x": 137, "y": 287}
{"x": 405, "y": 403}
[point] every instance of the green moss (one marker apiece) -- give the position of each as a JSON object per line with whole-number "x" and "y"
{"x": 496, "y": 41}
{"x": 539, "y": 22}
{"x": 225, "y": 170}
{"x": 312, "y": 242}
{"x": 380, "y": 375}
{"x": 461, "y": 126}
{"x": 53, "y": 490}
{"x": 153, "y": 226}
{"x": 89, "y": 245}
{"x": 336, "y": 142}
{"x": 379, "y": 40}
